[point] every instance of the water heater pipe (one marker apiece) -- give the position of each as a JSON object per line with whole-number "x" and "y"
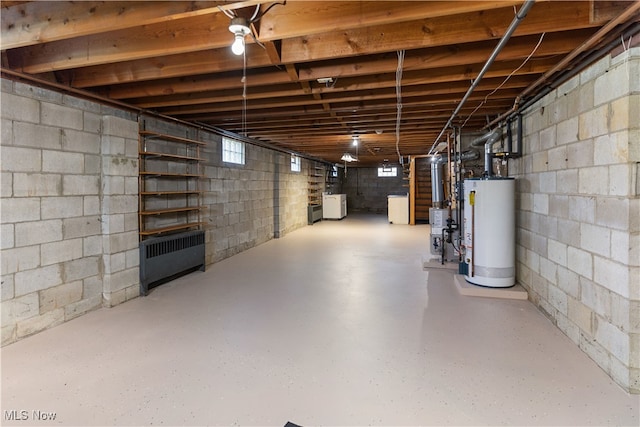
{"x": 488, "y": 139}
{"x": 463, "y": 157}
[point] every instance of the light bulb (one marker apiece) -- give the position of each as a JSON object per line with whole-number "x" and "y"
{"x": 238, "y": 45}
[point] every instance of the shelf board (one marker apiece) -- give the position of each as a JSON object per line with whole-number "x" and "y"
{"x": 171, "y": 175}
{"x": 151, "y": 134}
{"x": 171, "y": 210}
{"x": 169, "y": 156}
{"x": 170, "y": 193}
{"x": 161, "y": 230}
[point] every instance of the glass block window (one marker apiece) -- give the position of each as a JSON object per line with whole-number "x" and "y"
{"x": 388, "y": 171}
{"x": 232, "y": 151}
{"x": 295, "y": 163}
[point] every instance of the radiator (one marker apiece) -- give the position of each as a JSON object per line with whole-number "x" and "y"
{"x": 162, "y": 258}
{"x": 314, "y": 213}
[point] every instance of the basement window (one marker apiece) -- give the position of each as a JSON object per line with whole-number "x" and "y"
{"x": 232, "y": 151}
{"x": 387, "y": 171}
{"x": 295, "y": 163}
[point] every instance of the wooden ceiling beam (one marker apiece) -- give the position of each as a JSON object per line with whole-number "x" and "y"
{"x": 446, "y": 56}
{"x": 383, "y": 121}
{"x": 386, "y": 125}
{"x": 302, "y": 18}
{"x": 537, "y": 67}
{"x": 210, "y": 31}
{"x": 289, "y": 115}
{"x": 301, "y": 101}
{"x": 412, "y": 85}
{"x": 170, "y": 37}
{"x": 198, "y": 84}
{"x": 169, "y": 66}
{"x": 46, "y": 21}
{"x": 223, "y": 118}
{"x": 221, "y": 60}
{"x": 447, "y": 30}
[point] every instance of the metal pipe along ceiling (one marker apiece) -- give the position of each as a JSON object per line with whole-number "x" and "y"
{"x": 522, "y": 13}
{"x": 552, "y": 81}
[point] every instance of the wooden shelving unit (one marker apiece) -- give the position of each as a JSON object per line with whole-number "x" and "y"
{"x": 315, "y": 188}
{"x": 170, "y": 198}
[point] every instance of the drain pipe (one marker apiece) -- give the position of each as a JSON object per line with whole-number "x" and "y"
{"x": 522, "y": 13}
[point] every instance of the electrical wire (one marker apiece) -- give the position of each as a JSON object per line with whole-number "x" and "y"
{"x": 486, "y": 98}
{"x": 522, "y": 14}
{"x": 244, "y": 93}
{"x": 399, "y": 102}
{"x": 254, "y": 18}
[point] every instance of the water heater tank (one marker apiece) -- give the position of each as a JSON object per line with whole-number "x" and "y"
{"x": 489, "y": 231}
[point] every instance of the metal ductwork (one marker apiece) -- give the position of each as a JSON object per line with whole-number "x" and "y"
{"x": 488, "y": 140}
{"x": 463, "y": 157}
{"x": 437, "y": 184}
{"x": 437, "y": 174}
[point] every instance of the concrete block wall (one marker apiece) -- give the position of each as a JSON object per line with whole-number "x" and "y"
{"x": 63, "y": 208}
{"x": 293, "y": 194}
{"x": 244, "y": 205}
{"x": 119, "y": 219}
{"x": 69, "y": 205}
{"x": 367, "y": 192}
{"x": 239, "y": 201}
{"x": 578, "y": 236}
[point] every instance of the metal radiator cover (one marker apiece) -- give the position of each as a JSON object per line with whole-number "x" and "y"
{"x": 167, "y": 256}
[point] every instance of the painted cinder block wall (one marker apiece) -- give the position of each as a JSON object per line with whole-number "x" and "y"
{"x": 69, "y": 205}
{"x": 367, "y": 192}
{"x": 68, "y": 208}
{"x": 578, "y": 212}
{"x": 244, "y": 205}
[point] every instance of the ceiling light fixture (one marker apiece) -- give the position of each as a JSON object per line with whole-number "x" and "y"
{"x": 240, "y": 28}
{"x": 347, "y": 157}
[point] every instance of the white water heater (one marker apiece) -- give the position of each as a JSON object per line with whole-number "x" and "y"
{"x": 489, "y": 231}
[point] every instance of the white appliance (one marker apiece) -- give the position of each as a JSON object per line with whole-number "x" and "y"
{"x": 334, "y": 206}
{"x": 398, "y": 209}
{"x": 489, "y": 231}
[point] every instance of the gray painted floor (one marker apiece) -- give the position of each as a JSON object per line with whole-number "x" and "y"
{"x": 333, "y": 324}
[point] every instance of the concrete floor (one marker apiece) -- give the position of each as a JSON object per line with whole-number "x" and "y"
{"x": 333, "y": 324}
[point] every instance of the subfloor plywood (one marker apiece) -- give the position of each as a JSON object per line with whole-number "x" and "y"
{"x": 469, "y": 289}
